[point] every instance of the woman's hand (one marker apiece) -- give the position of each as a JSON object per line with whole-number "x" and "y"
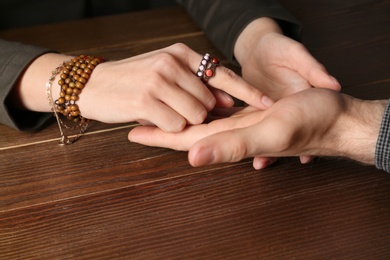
{"x": 161, "y": 88}
{"x": 276, "y": 64}
{"x": 158, "y": 88}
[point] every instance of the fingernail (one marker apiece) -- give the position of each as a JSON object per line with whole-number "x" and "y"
{"x": 261, "y": 164}
{"x": 267, "y": 101}
{"x": 258, "y": 165}
{"x": 204, "y": 156}
{"x": 336, "y": 82}
{"x": 228, "y": 97}
{"x": 304, "y": 159}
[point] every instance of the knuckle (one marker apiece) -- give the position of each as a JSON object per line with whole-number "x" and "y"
{"x": 210, "y": 102}
{"x": 163, "y": 61}
{"x": 151, "y": 86}
{"x": 198, "y": 116}
{"x": 175, "y": 125}
{"x": 228, "y": 74}
{"x": 297, "y": 47}
{"x": 181, "y": 48}
{"x": 239, "y": 151}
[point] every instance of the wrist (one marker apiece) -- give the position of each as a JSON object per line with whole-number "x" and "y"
{"x": 251, "y": 35}
{"x": 30, "y": 91}
{"x": 359, "y": 127}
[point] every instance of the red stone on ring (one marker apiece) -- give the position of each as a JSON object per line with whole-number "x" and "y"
{"x": 215, "y": 60}
{"x": 209, "y": 73}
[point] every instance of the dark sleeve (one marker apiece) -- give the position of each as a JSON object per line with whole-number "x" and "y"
{"x": 382, "y": 151}
{"x": 223, "y": 21}
{"x": 14, "y": 58}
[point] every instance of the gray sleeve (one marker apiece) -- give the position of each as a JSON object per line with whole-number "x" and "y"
{"x": 223, "y": 21}
{"x": 14, "y": 58}
{"x": 382, "y": 150}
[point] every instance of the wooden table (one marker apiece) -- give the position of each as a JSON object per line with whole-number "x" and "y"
{"x": 105, "y": 198}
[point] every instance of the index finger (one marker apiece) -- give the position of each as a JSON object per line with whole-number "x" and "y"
{"x": 224, "y": 79}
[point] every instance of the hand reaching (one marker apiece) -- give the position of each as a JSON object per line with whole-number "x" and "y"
{"x": 315, "y": 122}
{"x": 276, "y": 64}
{"x": 158, "y": 88}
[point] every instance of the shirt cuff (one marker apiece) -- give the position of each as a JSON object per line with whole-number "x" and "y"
{"x": 382, "y": 150}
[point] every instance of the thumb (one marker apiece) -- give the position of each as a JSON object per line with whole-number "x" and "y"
{"x": 231, "y": 146}
{"x": 318, "y": 77}
{"x": 312, "y": 70}
{"x": 214, "y": 149}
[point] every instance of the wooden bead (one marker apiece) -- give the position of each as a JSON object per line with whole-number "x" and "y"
{"x": 75, "y": 113}
{"x": 74, "y": 76}
{"x": 79, "y": 85}
{"x": 61, "y": 100}
{"x": 82, "y": 80}
{"x": 74, "y": 107}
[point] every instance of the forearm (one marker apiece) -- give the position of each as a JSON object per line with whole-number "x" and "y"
{"x": 30, "y": 91}
{"x": 14, "y": 59}
{"x": 358, "y": 129}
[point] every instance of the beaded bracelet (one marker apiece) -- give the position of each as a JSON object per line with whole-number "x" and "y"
{"x": 74, "y": 74}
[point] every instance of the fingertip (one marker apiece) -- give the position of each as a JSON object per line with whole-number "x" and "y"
{"x": 174, "y": 127}
{"x": 305, "y": 159}
{"x": 199, "y": 156}
{"x": 229, "y": 102}
{"x": 211, "y": 102}
{"x": 336, "y": 83}
{"x": 139, "y": 134}
{"x": 132, "y": 135}
{"x": 260, "y": 163}
{"x": 223, "y": 99}
{"x": 267, "y": 101}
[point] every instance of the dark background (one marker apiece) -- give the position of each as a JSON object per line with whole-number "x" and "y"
{"x": 25, "y": 13}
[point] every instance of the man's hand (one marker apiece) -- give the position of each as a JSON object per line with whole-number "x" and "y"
{"x": 315, "y": 122}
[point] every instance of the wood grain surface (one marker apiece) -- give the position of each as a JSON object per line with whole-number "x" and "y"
{"x": 106, "y": 198}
